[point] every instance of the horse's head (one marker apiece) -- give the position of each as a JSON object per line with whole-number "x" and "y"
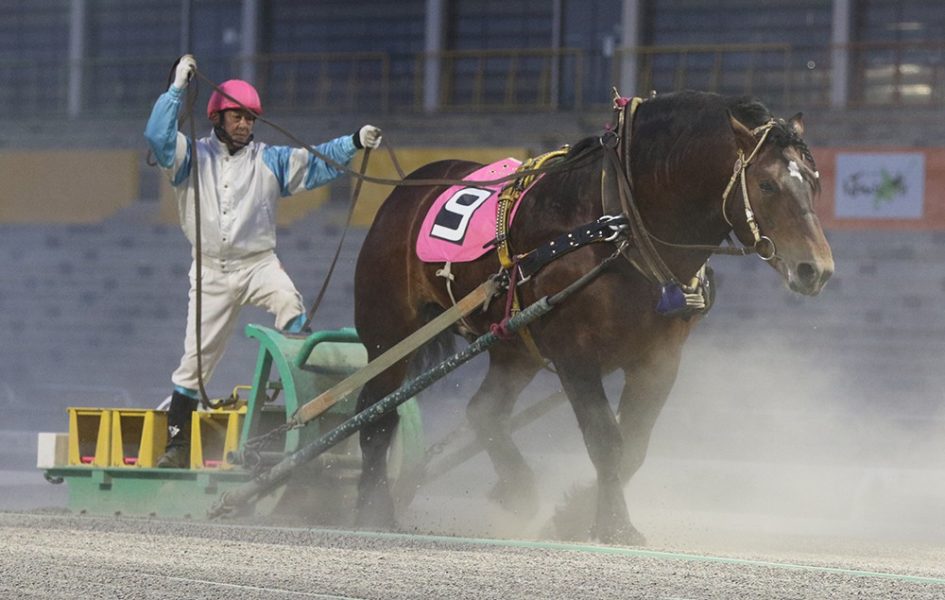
{"x": 777, "y": 216}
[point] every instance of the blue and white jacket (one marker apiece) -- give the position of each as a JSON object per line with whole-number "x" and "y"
{"x": 238, "y": 193}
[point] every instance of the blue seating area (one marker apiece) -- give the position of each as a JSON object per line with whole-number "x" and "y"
{"x": 95, "y": 315}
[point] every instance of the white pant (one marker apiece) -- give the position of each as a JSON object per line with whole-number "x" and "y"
{"x": 260, "y": 282}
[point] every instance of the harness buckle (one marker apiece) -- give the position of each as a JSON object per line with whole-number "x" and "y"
{"x": 609, "y": 139}
{"x": 616, "y": 228}
{"x": 521, "y": 277}
{"x": 495, "y": 241}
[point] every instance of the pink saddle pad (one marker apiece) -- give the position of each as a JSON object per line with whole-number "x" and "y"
{"x": 461, "y": 220}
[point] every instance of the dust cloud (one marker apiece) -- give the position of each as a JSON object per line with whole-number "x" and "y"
{"x": 759, "y": 446}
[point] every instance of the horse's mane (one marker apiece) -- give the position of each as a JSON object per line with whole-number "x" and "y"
{"x": 710, "y": 109}
{"x": 582, "y": 147}
{"x": 752, "y": 113}
{"x": 749, "y": 111}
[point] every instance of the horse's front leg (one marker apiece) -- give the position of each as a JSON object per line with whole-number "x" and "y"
{"x": 582, "y": 384}
{"x": 489, "y": 413}
{"x": 646, "y": 388}
{"x": 375, "y": 507}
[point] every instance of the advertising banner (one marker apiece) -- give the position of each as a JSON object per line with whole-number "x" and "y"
{"x": 880, "y": 185}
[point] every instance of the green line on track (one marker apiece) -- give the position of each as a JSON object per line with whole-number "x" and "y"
{"x": 621, "y": 551}
{"x": 573, "y": 547}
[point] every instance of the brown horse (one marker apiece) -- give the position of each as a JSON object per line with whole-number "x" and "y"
{"x": 683, "y": 150}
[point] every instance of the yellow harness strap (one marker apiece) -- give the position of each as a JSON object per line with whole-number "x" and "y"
{"x": 508, "y": 197}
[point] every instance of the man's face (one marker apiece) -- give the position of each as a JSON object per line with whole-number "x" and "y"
{"x": 238, "y": 124}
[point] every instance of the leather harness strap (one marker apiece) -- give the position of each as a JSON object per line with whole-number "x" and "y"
{"x": 654, "y": 268}
{"x": 605, "y": 229}
{"x": 318, "y": 405}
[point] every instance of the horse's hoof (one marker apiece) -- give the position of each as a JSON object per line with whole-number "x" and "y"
{"x": 517, "y": 499}
{"x": 371, "y": 523}
{"x": 625, "y": 535}
{"x": 371, "y": 517}
{"x": 562, "y": 530}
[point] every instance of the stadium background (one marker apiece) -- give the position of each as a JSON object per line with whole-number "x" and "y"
{"x": 93, "y": 265}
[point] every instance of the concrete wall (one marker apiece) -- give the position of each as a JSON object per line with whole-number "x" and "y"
{"x": 93, "y": 313}
{"x": 66, "y": 186}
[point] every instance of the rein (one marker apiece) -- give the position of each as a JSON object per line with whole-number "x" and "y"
{"x": 562, "y": 165}
{"x": 198, "y": 252}
{"x": 355, "y": 193}
{"x": 764, "y": 246}
{"x": 654, "y": 266}
{"x": 360, "y": 177}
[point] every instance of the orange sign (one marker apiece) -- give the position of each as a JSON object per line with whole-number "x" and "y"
{"x": 878, "y": 177}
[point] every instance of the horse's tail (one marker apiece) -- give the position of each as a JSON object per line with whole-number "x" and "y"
{"x": 435, "y": 351}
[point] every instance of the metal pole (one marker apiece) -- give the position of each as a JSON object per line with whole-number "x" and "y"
{"x": 434, "y": 41}
{"x": 556, "y": 58}
{"x": 232, "y": 500}
{"x": 840, "y": 53}
{"x": 249, "y": 40}
{"x": 629, "y": 42}
{"x": 78, "y": 19}
{"x": 186, "y": 26}
{"x": 235, "y": 498}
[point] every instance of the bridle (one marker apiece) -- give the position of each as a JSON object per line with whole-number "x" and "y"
{"x": 616, "y": 144}
{"x": 638, "y": 245}
{"x": 764, "y": 246}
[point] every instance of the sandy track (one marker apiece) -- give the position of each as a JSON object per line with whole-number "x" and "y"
{"x": 46, "y": 555}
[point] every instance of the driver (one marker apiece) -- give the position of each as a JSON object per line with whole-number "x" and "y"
{"x": 240, "y": 182}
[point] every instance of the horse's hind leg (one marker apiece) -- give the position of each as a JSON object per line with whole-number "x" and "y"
{"x": 511, "y": 368}
{"x": 382, "y": 319}
{"x": 582, "y": 384}
{"x": 375, "y": 506}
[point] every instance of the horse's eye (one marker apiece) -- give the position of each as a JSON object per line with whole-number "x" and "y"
{"x": 767, "y": 186}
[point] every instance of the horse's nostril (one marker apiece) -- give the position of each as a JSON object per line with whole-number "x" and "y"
{"x": 806, "y": 273}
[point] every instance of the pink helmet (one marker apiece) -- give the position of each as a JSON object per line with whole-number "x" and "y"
{"x": 245, "y": 94}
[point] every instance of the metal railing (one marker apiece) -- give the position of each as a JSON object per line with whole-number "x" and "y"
{"x": 779, "y": 73}
{"x": 897, "y": 74}
{"x": 330, "y": 81}
{"x": 527, "y": 79}
{"x": 122, "y": 85}
{"x": 33, "y": 88}
{"x": 880, "y": 74}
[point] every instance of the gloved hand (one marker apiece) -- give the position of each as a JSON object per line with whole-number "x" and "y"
{"x": 186, "y": 67}
{"x": 369, "y": 136}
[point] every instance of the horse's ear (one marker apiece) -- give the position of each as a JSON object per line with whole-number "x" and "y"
{"x": 797, "y": 124}
{"x": 742, "y": 134}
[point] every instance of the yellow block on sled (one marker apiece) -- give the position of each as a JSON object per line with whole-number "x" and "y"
{"x": 139, "y": 436}
{"x": 213, "y": 434}
{"x": 89, "y": 436}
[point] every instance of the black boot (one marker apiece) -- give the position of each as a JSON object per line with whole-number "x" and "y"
{"x": 177, "y": 453}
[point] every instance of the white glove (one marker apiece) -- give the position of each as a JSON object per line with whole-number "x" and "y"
{"x": 186, "y": 67}
{"x": 370, "y": 136}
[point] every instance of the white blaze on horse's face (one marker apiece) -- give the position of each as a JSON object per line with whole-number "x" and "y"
{"x": 798, "y": 179}
{"x": 787, "y": 188}
{"x": 794, "y": 170}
